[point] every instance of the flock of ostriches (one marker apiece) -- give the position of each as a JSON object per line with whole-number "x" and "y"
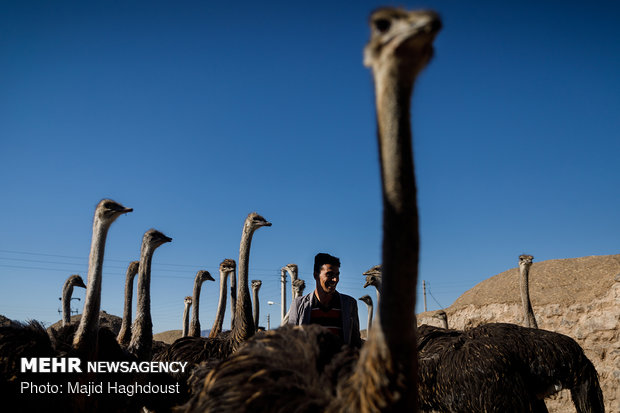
{"x": 490, "y": 368}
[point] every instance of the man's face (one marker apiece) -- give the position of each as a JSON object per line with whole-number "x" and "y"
{"x": 328, "y": 278}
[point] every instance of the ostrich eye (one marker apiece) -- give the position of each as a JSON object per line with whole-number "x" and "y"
{"x": 382, "y": 25}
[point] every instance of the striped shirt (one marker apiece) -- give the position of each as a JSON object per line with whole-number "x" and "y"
{"x": 329, "y": 315}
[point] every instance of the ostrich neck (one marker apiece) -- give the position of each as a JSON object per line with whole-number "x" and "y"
{"x": 194, "y": 328}
{"x": 233, "y": 298}
{"x": 85, "y": 338}
{"x": 124, "y": 334}
{"x": 142, "y": 329}
{"x": 67, "y": 292}
{"x": 370, "y": 313}
{"x": 528, "y": 312}
{"x": 186, "y": 319}
{"x": 221, "y": 307}
{"x": 387, "y": 363}
{"x": 244, "y": 324}
{"x": 256, "y": 307}
{"x": 283, "y": 293}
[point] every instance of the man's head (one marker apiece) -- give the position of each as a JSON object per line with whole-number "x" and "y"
{"x": 326, "y": 272}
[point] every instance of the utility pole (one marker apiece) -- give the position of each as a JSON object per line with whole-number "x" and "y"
{"x": 268, "y": 323}
{"x": 283, "y": 297}
{"x": 424, "y": 289}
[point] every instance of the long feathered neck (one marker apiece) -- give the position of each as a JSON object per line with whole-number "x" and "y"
{"x": 124, "y": 334}
{"x": 194, "y": 328}
{"x": 528, "y": 311}
{"x": 385, "y": 375}
{"x": 85, "y": 339}
{"x": 141, "y": 342}
{"x": 67, "y": 292}
{"x": 221, "y": 306}
{"x": 370, "y": 314}
{"x": 186, "y": 318}
{"x": 233, "y": 298}
{"x": 244, "y": 324}
{"x": 256, "y": 307}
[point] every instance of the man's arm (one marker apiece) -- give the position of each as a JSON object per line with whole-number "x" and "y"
{"x": 293, "y": 312}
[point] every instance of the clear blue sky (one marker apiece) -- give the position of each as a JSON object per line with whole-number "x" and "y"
{"x": 196, "y": 114}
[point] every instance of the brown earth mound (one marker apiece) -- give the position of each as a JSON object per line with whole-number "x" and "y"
{"x": 564, "y": 282}
{"x": 109, "y": 321}
{"x": 169, "y": 336}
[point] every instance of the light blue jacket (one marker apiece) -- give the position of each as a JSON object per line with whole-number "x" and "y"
{"x": 301, "y": 307}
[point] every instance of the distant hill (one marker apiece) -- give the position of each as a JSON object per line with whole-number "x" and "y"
{"x": 171, "y": 335}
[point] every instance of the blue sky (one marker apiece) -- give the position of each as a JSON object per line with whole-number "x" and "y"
{"x": 196, "y": 114}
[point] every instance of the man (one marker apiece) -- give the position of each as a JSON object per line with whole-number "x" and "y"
{"x": 326, "y": 306}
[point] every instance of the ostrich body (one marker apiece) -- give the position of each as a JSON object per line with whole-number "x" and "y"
{"x": 288, "y": 369}
{"x": 368, "y": 301}
{"x": 256, "y": 284}
{"x": 141, "y": 342}
{"x": 501, "y": 367}
{"x": 198, "y": 349}
{"x": 201, "y": 276}
{"x": 227, "y": 268}
{"x": 67, "y": 291}
{"x": 188, "y": 304}
{"x": 525, "y": 262}
{"x": 124, "y": 334}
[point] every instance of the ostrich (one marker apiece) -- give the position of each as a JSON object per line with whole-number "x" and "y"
{"x": 124, "y": 334}
{"x": 293, "y": 272}
{"x": 88, "y": 343}
{"x": 298, "y": 290}
{"x": 373, "y": 277}
{"x": 199, "y": 349}
{"x": 256, "y": 284}
{"x": 368, "y": 301}
{"x": 227, "y": 267}
{"x": 201, "y": 276}
{"x": 502, "y": 367}
{"x": 67, "y": 291}
{"x": 525, "y": 262}
{"x": 283, "y": 370}
{"x": 443, "y": 317}
{"x": 188, "y": 304}
{"x": 142, "y": 329}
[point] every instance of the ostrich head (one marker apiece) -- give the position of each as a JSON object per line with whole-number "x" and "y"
{"x": 227, "y": 266}
{"x": 373, "y": 277}
{"x": 525, "y": 261}
{"x": 441, "y": 315}
{"x": 299, "y": 286}
{"x": 256, "y": 284}
{"x": 76, "y": 281}
{"x": 107, "y": 211}
{"x": 366, "y": 299}
{"x": 291, "y": 269}
{"x": 188, "y": 300}
{"x": 202, "y": 276}
{"x": 255, "y": 221}
{"x": 406, "y": 35}
{"x": 153, "y": 238}
{"x": 133, "y": 268}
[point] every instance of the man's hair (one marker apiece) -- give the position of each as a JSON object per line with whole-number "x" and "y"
{"x": 323, "y": 258}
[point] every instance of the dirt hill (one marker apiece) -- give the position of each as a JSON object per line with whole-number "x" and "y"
{"x": 578, "y": 297}
{"x": 105, "y": 320}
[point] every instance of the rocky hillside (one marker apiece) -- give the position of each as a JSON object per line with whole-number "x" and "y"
{"x": 106, "y": 320}
{"x": 579, "y": 297}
